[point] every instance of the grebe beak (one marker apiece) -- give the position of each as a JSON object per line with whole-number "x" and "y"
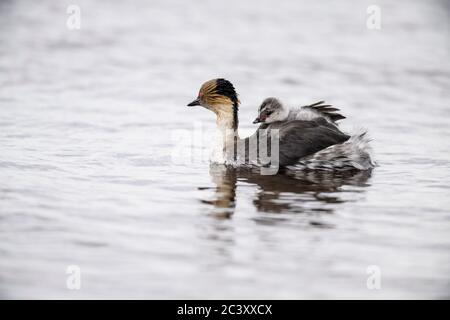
{"x": 257, "y": 120}
{"x": 196, "y": 102}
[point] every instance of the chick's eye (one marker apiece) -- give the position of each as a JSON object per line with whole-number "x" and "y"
{"x": 269, "y": 113}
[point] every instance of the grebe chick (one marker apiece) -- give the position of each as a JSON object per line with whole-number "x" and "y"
{"x": 272, "y": 110}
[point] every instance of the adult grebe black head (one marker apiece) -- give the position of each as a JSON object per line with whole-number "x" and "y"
{"x": 219, "y": 96}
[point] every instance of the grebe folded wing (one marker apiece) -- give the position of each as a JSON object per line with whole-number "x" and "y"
{"x": 301, "y": 138}
{"x": 321, "y": 109}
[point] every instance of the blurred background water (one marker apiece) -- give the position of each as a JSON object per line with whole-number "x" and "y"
{"x": 87, "y": 126}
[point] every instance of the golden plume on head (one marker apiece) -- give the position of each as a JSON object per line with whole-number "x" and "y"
{"x": 219, "y": 96}
{"x": 218, "y": 92}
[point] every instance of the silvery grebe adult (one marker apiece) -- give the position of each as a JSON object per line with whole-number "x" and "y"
{"x": 303, "y": 144}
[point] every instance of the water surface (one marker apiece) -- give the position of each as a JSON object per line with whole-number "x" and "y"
{"x": 91, "y": 119}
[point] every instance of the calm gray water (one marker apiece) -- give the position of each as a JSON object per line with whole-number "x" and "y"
{"x": 91, "y": 118}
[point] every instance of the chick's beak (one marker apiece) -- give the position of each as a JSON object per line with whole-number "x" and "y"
{"x": 196, "y": 102}
{"x": 261, "y": 117}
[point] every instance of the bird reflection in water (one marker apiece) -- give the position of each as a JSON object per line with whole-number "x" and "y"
{"x": 291, "y": 192}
